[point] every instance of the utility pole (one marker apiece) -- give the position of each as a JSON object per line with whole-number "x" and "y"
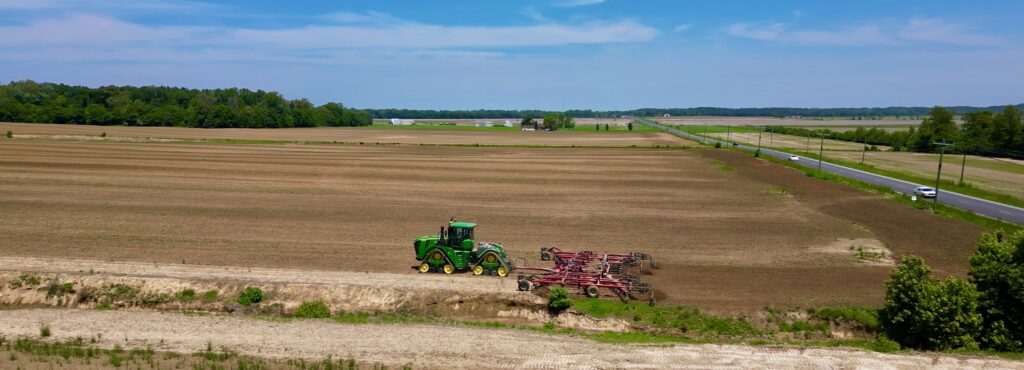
{"x": 728, "y": 133}
{"x": 963, "y": 165}
{"x": 759, "y": 142}
{"x": 821, "y": 150}
{"x": 938, "y": 174}
{"x": 807, "y": 147}
{"x": 771, "y": 137}
{"x": 865, "y": 151}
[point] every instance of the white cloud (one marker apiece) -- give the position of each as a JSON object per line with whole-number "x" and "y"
{"x": 932, "y": 30}
{"x": 90, "y": 37}
{"x": 936, "y": 30}
{"x": 683, "y": 27}
{"x": 574, "y": 3}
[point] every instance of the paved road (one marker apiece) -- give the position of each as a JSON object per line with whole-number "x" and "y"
{"x": 977, "y": 205}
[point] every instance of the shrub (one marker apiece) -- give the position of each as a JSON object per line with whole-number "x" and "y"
{"x": 757, "y": 153}
{"x": 313, "y": 310}
{"x": 186, "y": 295}
{"x": 44, "y": 331}
{"x": 9, "y": 134}
{"x": 104, "y": 134}
{"x": 250, "y": 295}
{"x": 718, "y": 145}
{"x": 883, "y": 344}
{"x": 558, "y": 300}
{"x": 210, "y": 296}
{"x": 921, "y": 312}
{"x": 997, "y": 269}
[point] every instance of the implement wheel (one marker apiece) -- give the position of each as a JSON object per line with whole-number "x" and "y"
{"x": 591, "y": 291}
{"x": 478, "y": 270}
{"x": 448, "y": 268}
{"x": 424, "y": 267}
{"x": 502, "y": 271}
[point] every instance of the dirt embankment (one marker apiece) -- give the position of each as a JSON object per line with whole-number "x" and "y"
{"x": 150, "y": 286}
{"x": 433, "y": 346}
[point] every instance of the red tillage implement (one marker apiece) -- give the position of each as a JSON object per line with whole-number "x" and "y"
{"x": 590, "y": 272}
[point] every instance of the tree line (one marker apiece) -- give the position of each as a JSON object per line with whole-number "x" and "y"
{"x": 28, "y": 101}
{"x": 854, "y": 113}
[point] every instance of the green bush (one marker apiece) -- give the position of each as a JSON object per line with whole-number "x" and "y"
{"x": 883, "y": 344}
{"x": 924, "y": 313}
{"x": 210, "y": 296}
{"x": 44, "y": 331}
{"x": 9, "y": 134}
{"x": 757, "y": 153}
{"x": 186, "y": 295}
{"x": 718, "y": 145}
{"x": 997, "y": 269}
{"x": 865, "y": 317}
{"x": 558, "y": 300}
{"x": 313, "y": 310}
{"x": 250, "y": 296}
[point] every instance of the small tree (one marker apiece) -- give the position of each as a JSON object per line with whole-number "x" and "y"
{"x": 921, "y": 312}
{"x": 606, "y": 127}
{"x": 597, "y": 127}
{"x": 630, "y": 125}
{"x": 558, "y": 300}
{"x": 250, "y": 296}
{"x": 997, "y": 269}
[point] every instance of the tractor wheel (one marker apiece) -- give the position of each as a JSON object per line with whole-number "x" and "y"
{"x": 502, "y": 271}
{"x": 478, "y": 270}
{"x": 448, "y": 268}
{"x": 524, "y": 285}
{"x": 491, "y": 258}
{"x": 424, "y": 267}
{"x": 591, "y": 291}
{"x": 437, "y": 256}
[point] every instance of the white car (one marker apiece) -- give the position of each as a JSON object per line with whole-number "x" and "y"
{"x": 925, "y": 191}
{"x": 793, "y": 158}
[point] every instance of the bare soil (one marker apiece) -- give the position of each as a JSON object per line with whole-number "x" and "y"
{"x": 432, "y": 346}
{"x": 366, "y": 135}
{"x": 724, "y": 240}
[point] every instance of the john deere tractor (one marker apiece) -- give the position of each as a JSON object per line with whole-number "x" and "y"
{"x": 454, "y": 249}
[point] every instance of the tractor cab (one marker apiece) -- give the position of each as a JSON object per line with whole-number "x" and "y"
{"x": 458, "y": 235}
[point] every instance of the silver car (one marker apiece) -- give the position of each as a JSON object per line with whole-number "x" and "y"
{"x": 925, "y": 191}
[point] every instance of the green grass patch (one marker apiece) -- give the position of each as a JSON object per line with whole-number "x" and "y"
{"x": 685, "y": 319}
{"x": 862, "y": 316}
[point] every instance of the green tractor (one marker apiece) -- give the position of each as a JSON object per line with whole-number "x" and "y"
{"x": 453, "y": 250}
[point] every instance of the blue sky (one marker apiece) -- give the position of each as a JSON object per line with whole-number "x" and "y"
{"x": 557, "y": 54}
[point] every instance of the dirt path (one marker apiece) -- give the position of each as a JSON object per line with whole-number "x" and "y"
{"x": 424, "y": 346}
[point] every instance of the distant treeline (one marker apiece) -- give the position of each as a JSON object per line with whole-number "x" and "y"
{"x": 863, "y": 113}
{"x": 28, "y": 101}
{"x": 999, "y": 134}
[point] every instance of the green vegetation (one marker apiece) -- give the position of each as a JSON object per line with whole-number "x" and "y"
{"x": 558, "y": 300}
{"x": 9, "y": 134}
{"x": 250, "y": 296}
{"x": 44, "y": 331}
{"x": 210, "y": 296}
{"x": 924, "y": 313}
{"x": 186, "y": 295}
{"x": 558, "y": 121}
{"x": 313, "y": 310}
{"x": 28, "y": 101}
{"x": 26, "y": 280}
{"x": 685, "y": 319}
{"x": 863, "y": 317}
{"x": 997, "y": 270}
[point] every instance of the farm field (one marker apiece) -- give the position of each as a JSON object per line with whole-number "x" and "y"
{"x": 729, "y": 232}
{"x": 515, "y": 121}
{"x": 832, "y": 123}
{"x": 352, "y": 135}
